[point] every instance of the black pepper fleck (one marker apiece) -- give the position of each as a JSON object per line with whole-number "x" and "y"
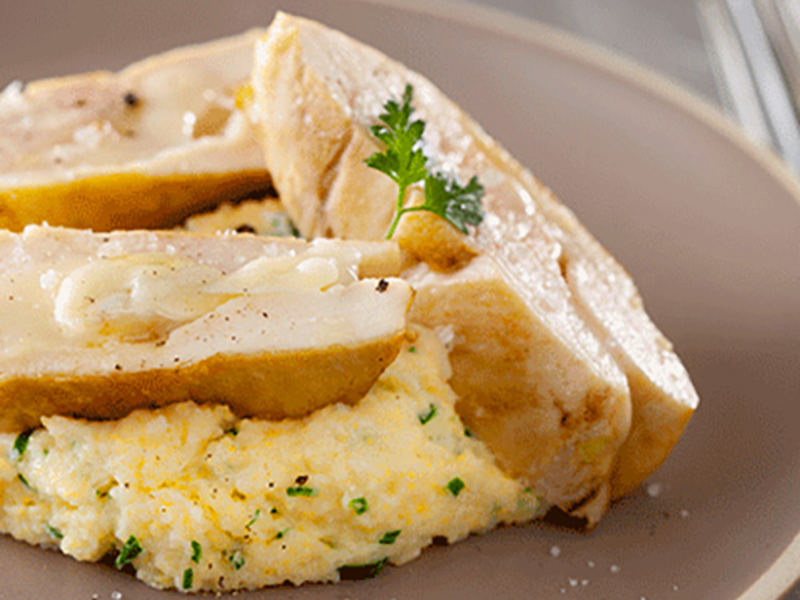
{"x": 131, "y": 99}
{"x": 382, "y": 286}
{"x": 245, "y": 229}
{"x": 301, "y": 479}
{"x": 118, "y": 367}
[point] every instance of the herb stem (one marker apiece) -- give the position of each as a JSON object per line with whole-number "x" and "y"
{"x": 401, "y": 197}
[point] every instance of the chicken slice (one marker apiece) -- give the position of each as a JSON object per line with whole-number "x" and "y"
{"x": 144, "y": 147}
{"x": 97, "y": 325}
{"x": 536, "y": 383}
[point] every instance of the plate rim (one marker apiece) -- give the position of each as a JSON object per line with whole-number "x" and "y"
{"x": 784, "y": 573}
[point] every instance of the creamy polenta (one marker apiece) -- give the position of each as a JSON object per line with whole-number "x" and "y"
{"x": 195, "y": 499}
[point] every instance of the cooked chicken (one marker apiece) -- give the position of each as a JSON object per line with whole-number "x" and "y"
{"x": 144, "y": 147}
{"x": 97, "y": 325}
{"x": 542, "y": 317}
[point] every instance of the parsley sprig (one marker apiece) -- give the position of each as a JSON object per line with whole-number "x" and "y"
{"x": 404, "y": 161}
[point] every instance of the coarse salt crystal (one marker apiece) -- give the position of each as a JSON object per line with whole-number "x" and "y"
{"x": 684, "y": 513}
{"x": 555, "y": 551}
{"x": 654, "y": 489}
{"x": 614, "y": 569}
{"x": 573, "y": 582}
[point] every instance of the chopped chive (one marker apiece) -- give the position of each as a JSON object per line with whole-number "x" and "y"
{"x": 188, "y": 579}
{"x": 468, "y": 432}
{"x": 24, "y": 481}
{"x": 254, "y": 519}
{"x": 197, "y": 552}
{"x": 236, "y": 559}
{"x": 427, "y": 416}
{"x": 54, "y": 532}
{"x": 455, "y": 486}
{"x": 281, "y": 534}
{"x": 359, "y": 505}
{"x": 301, "y": 490}
{"x": 234, "y": 431}
{"x": 21, "y": 443}
{"x": 130, "y": 550}
{"x": 412, "y": 349}
{"x": 328, "y": 543}
{"x": 295, "y": 231}
{"x": 360, "y": 572}
{"x": 389, "y": 537}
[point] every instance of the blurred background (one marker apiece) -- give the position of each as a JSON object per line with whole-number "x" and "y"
{"x": 662, "y": 34}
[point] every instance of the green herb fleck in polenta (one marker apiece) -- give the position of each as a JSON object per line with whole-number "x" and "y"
{"x": 236, "y": 559}
{"x": 188, "y": 579}
{"x": 455, "y": 486}
{"x": 359, "y": 505}
{"x": 427, "y": 415}
{"x": 130, "y": 550}
{"x": 21, "y": 444}
{"x": 197, "y": 552}
{"x": 252, "y": 521}
{"x": 390, "y": 537}
{"x": 54, "y": 532}
{"x": 301, "y": 490}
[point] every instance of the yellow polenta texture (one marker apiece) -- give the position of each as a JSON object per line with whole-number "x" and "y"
{"x": 219, "y": 503}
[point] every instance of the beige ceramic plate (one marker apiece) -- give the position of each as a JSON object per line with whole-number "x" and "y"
{"x": 709, "y": 228}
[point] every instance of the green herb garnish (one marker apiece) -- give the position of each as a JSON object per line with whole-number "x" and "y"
{"x": 197, "y": 552}
{"x": 130, "y": 550}
{"x": 20, "y": 444}
{"x": 234, "y": 431}
{"x": 428, "y": 415}
{"x": 188, "y": 579}
{"x": 54, "y": 532}
{"x": 24, "y": 481}
{"x": 281, "y": 534}
{"x": 405, "y": 163}
{"x": 455, "y": 486}
{"x": 301, "y": 490}
{"x": 468, "y": 432}
{"x": 359, "y": 505}
{"x": 360, "y": 572}
{"x": 390, "y": 537}
{"x": 236, "y": 559}
{"x": 254, "y": 519}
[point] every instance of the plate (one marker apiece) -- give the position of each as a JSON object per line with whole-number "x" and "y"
{"x": 708, "y": 226}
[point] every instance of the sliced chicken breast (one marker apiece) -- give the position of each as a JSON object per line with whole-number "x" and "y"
{"x": 144, "y": 147}
{"x": 96, "y": 325}
{"x": 536, "y": 382}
